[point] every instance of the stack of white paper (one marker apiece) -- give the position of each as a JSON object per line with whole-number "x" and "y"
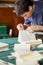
{"x": 30, "y": 58}
{"x": 3, "y": 47}
{"x": 22, "y": 48}
{"x": 25, "y": 36}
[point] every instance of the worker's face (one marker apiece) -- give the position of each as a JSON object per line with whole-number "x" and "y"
{"x": 29, "y": 13}
{"x": 26, "y": 15}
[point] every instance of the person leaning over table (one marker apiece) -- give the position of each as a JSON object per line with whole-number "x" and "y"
{"x": 26, "y": 9}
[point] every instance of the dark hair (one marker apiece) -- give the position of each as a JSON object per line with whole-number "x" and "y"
{"x": 21, "y": 6}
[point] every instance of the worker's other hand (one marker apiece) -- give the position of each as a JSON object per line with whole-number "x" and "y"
{"x": 32, "y": 28}
{"x": 20, "y": 27}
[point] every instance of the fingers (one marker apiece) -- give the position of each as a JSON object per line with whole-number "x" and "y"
{"x": 20, "y": 27}
{"x": 30, "y": 29}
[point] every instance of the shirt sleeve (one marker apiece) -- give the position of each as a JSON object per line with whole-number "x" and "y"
{"x": 27, "y": 21}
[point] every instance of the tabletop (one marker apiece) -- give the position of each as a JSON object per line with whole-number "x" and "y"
{"x": 4, "y": 55}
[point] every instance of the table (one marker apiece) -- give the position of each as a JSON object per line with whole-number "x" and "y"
{"x": 4, "y": 55}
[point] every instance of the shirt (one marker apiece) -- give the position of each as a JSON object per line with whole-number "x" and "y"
{"x": 37, "y": 18}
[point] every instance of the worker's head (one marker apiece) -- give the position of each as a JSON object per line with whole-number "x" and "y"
{"x": 24, "y": 8}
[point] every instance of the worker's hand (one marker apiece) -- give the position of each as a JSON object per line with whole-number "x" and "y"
{"x": 32, "y": 28}
{"x": 20, "y": 27}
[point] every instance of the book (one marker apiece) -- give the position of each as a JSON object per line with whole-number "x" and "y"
{"x": 3, "y": 47}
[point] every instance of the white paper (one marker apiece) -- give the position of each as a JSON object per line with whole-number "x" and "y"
{"x": 22, "y": 48}
{"x": 39, "y": 33}
{"x": 3, "y": 46}
{"x": 25, "y": 36}
{"x": 40, "y": 46}
{"x": 31, "y": 59}
{"x": 10, "y": 32}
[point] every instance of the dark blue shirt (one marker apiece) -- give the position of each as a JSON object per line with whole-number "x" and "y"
{"x": 37, "y": 18}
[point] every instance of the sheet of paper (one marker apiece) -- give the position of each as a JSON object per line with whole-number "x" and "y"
{"x": 39, "y": 33}
{"x": 40, "y": 46}
{"x": 25, "y": 36}
{"x": 3, "y": 47}
{"x": 3, "y": 44}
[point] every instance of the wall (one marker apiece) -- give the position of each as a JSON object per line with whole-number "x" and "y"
{"x": 7, "y": 16}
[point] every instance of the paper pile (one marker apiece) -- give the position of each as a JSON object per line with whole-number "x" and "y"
{"x": 34, "y": 43}
{"x": 24, "y": 56}
{"x": 3, "y": 47}
{"x": 22, "y": 48}
{"x": 30, "y": 58}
